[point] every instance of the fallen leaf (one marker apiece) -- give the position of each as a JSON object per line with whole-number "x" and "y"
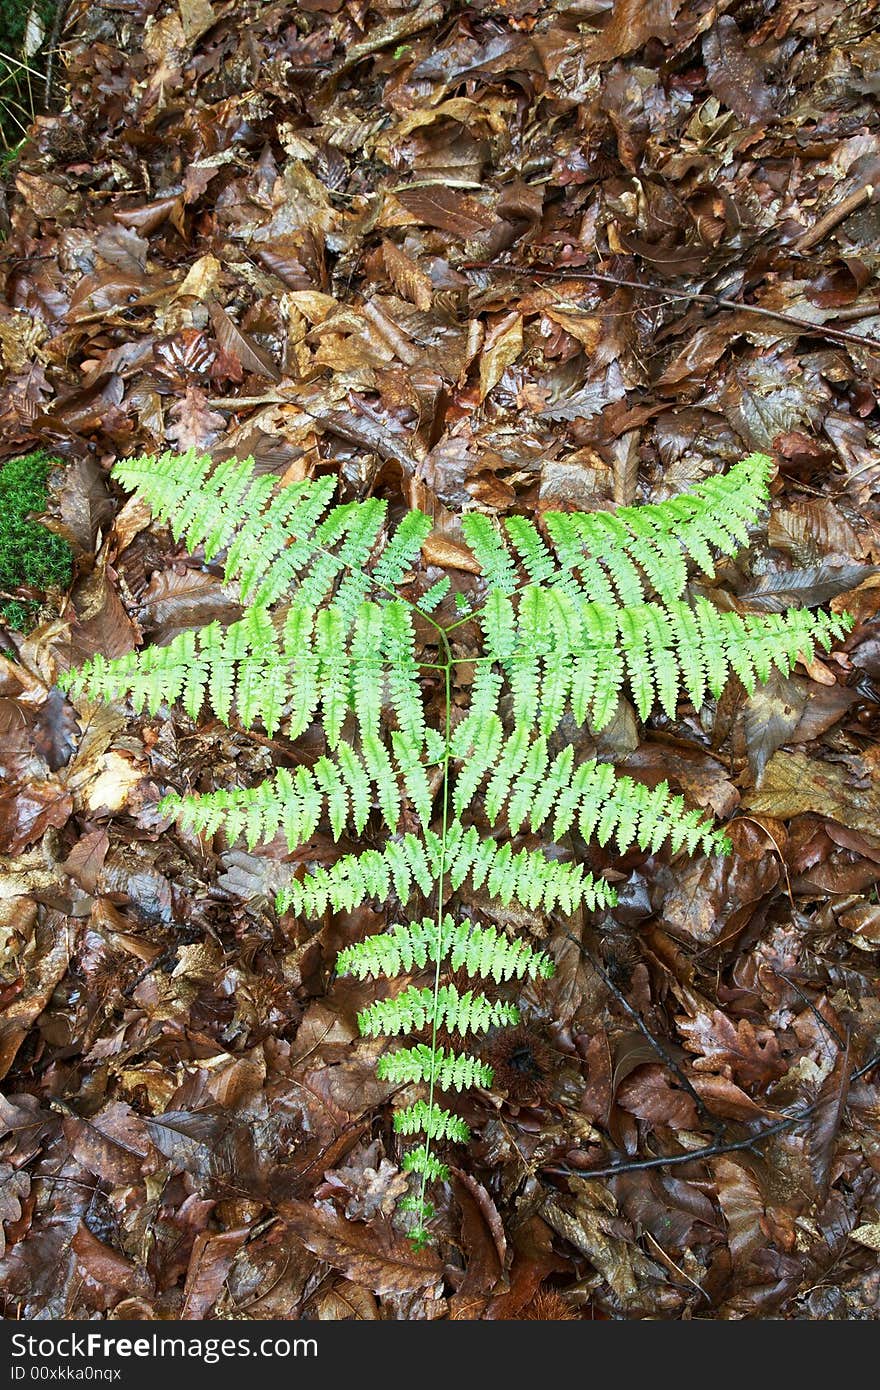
{"x": 751, "y": 1055}
{"x": 377, "y": 1258}
{"x": 195, "y": 425}
{"x": 407, "y": 277}
{"x": 502, "y": 346}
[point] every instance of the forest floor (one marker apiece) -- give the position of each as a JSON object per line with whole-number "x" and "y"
{"x": 507, "y": 255}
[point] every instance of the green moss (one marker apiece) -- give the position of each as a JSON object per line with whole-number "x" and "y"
{"x": 30, "y": 555}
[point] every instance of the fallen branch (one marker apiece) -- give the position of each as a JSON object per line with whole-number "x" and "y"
{"x": 712, "y": 1121}
{"x": 851, "y": 203}
{"x": 712, "y": 301}
{"x": 613, "y": 1170}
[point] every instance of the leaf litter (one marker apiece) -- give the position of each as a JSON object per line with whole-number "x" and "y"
{"x": 514, "y": 256}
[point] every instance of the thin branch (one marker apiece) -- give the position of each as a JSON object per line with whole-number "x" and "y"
{"x": 711, "y": 300}
{"x": 613, "y": 1170}
{"x": 665, "y": 1056}
{"x": 851, "y": 203}
{"x": 52, "y": 48}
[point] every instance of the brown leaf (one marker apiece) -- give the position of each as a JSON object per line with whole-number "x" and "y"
{"x": 209, "y": 1264}
{"x": 631, "y": 24}
{"x": 652, "y": 1095}
{"x": 241, "y": 346}
{"x": 533, "y": 1260}
{"x": 408, "y": 278}
{"x": 588, "y": 1221}
{"x": 484, "y": 1243}
{"x": 741, "y": 1050}
{"x": 346, "y": 1302}
{"x": 102, "y": 623}
{"x": 734, "y": 75}
{"x": 27, "y": 812}
{"x": 375, "y": 1188}
{"x": 811, "y": 528}
{"x": 710, "y": 899}
{"x": 105, "y": 1270}
{"x": 24, "y": 1124}
{"x": 195, "y": 425}
{"x": 743, "y": 1206}
{"x": 777, "y": 590}
{"x": 823, "y": 1124}
{"x": 795, "y": 783}
{"x": 197, "y": 17}
{"x": 770, "y": 717}
{"x": 15, "y": 1188}
{"x": 86, "y": 859}
{"x": 447, "y": 209}
{"x": 368, "y": 1255}
{"x": 85, "y": 504}
{"x": 502, "y": 346}
{"x": 177, "y": 599}
{"x": 114, "y": 1144}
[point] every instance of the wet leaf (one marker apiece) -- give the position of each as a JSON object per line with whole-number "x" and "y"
{"x": 750, "y": 1055}
{"x": 734, "y": 75}
{"x": 770, "y": 717}
{"x": 194, "y": 424}
{"x": 408, "y": 279}
{"x": 794, "y": 783}
{"x": 380, "y": 1260}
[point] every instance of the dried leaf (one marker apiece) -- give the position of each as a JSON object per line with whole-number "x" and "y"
{"x": 195, "y": 425}
{"x": 751, "y": 1055}
{"x": 794, "y": 783}
{"x": 241, "y": 346}
{"x": 734, "y": 76}
{"x": 408, "y": 279}
{"x": 502, "y": 346}
{"x": 376, "y": 1258}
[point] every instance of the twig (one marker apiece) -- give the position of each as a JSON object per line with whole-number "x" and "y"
{"x": 822, "y": 1022}
{"x": 712, "y": 300}
{"x": 612, "y": 1170}
{"x": 665, "y": 1056}
{"x": 851, "y": 203}
{"x": 52, "y": 47}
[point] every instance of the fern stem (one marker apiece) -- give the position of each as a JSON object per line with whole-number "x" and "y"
{"x": 447, "y": 753}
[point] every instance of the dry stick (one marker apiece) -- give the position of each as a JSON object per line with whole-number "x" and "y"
{"x": 851, "y": 203}
{"x": 52, "y": 47}
{"x": 711, "y": 1150}
{"x": 709, "y": 1119}
{"x": 714, "y": 301}
{"x": 822, "y": 1022}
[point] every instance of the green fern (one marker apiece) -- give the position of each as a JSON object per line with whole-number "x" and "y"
{"x": 571, "y": 615}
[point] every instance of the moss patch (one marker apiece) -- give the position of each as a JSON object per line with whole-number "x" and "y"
{"x": 30, "y": 556}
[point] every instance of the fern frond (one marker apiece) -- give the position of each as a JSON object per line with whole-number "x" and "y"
{"x": 432, "y": 1120}
{"x": 478, "y": 950}
{"x": 267, "y": 675}
{"x": 434, "y": 596}
{"x": 574, "y": 609}
{"x": 619, "y": 556}
{"x": 436, "y": 1066}
{"x": 492, "y": 554}
{"x": 402, "y": 550}
{"x": 342, "y": 786}
{"x": 419, "y": 1160}
{"x": 416, "y": 1008}
{"x": 589, "y": 650}
{"x": 276, "y": 536}
{"x": 405, "y": 864}
{"x": 536, "y": 787}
